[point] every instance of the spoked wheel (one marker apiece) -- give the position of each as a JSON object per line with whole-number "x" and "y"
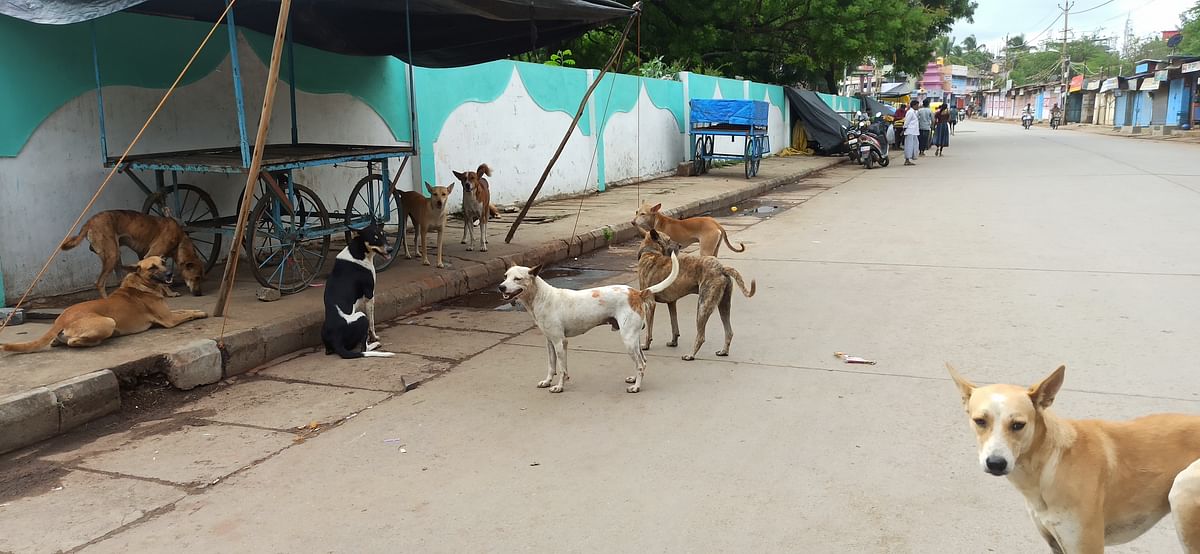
{"x": 190, "y": 207}
{"x": 276, "y": 243}
{"x": 758, "y": 154}
{"x": 749, "y": 155}
{"x": 698, "y": 157}
{"x": 367, "y": 205}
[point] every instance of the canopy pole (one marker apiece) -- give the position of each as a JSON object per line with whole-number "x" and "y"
{"x": 414, "y": 134}
{"x": 260, "y": 143}
{"x": 612, "y": 61}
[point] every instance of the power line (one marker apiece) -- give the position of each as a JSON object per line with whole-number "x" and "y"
{"x": 1100, "y": 5}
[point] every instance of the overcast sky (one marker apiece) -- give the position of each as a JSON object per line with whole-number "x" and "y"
{"x": 995, "y": 18}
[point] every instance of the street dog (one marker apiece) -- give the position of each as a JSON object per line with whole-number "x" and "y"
{"x": 1087, "y": 483}
{"x": 564, "y": 313}
{"x": 145, "y": 234}
{"x": 351, "y": 284}
{"x": 702, "y": 275}
{"x": 426, "y": 214}
{"x": 137, "y": 305}
{"x": 704, "y": 230}
{"x": 477, "y": 195}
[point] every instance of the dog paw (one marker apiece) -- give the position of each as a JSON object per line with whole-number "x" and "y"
{"x": 372, "y": 346}
{"x": 408, "y": 256}
{"x": 464, "y": 241}
{"x": 632, "y": 388}
{"x": 441, "y": 266}
{"x": 722, "y": 352}
{"x": 556, "y": 388}
{"x": 631, "y": 380}
{"x": 469, "y": 248}
{"x": 484, "y": 249}
{"x": 689, "y": 358}
{"x": 673, "y": 343}
{"x": 646, "y": 346}
{"x": 173, "y": 294}
{"x": 543, "y": 384}
{"x": 424, "y": 262}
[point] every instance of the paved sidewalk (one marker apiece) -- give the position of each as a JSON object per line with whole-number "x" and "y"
{"x": 48, "y": 393}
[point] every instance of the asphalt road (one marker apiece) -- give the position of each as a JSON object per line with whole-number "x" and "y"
{"x": 1016, "y": 252}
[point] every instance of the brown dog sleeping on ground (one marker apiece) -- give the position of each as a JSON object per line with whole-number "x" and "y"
{"x": 145, "y": 234}
{"x": 134, "y": 307}
{"x": 702, "y": 275}
{"x": 684, "y": 232}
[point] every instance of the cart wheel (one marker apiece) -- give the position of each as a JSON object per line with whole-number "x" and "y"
{"x": 698, "y": 157}
{"x": 758, "y": 152}
{"x": 284, "y": 257}
{"x": 195, "y": 208}
{"x": 366, "y": 205}
{"x": 709, "y": 151}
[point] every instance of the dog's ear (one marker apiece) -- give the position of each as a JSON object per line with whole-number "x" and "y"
{"x": 459, "y": 176}
{"x": 428, "y": 187}
{"x": 130, "y": 268}
{"x": 965, "y": 387}
{"x": 450, "y": 188}
{"x": 654, "y": 234}
{"x": 535, "y": 270}
{"x": 1044, "y": 392}
{"x": 656, "y": 207}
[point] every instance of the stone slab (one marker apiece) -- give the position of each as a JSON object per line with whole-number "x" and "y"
{"x": 284, "y": 406}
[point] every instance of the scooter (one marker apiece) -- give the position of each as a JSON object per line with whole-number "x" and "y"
{"x": 872, "y": 144}
{"x": 852, "y": 137}
{"x": 1026, "y": 120}
{"x": 1054, "y": 122}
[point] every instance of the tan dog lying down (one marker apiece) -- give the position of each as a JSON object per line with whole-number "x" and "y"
{"x": 702, "y": 275}
{"x": 703, "y": 229}
{"x": 147, "y": 235}
{"x": 1087, "y": 483}
{"x": 134, "y": 307}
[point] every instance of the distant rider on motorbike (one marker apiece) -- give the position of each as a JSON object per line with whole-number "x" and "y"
{"x": 1027, "y": 115}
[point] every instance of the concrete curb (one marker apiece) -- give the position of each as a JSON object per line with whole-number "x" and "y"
{"x": 41, "y": 413}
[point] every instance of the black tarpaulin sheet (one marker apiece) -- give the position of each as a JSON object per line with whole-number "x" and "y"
{"x": 873, "y": 106}
{"x": 823, "y": 125}
{"x": 445, "y": 33}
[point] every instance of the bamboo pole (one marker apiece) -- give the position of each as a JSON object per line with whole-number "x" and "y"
{"x": 578, "y": 114}
{"x": 260, "y": 143}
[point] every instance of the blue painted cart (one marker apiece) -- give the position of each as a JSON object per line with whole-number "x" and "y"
{"x": 733, "y": 119}
{"x": 290, "y": 229}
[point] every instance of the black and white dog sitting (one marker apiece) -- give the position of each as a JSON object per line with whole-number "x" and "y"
{"x": 351, "y": 283}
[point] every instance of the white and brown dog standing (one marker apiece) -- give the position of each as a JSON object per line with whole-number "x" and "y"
{"x": 477, "y": 204}
{"x": 564, "y": 313}
{"x": 1088, "y": 483}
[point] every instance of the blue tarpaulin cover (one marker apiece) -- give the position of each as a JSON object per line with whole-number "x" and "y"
{"x": 729, "y": 112}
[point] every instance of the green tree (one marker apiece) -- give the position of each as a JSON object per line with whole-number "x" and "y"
{"x": 1190, "y": 29}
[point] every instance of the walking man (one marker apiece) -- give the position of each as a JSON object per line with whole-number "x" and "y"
{"x": 912, "y": 133}
{"x": 925, "y": 118}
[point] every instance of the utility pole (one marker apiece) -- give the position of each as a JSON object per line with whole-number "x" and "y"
{"x": 1066, "y": 59}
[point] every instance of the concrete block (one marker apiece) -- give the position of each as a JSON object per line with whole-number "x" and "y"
{"x": 18, "y": 315}
{"x": 27, "y": 417}
{"x": 86, "y": 397}
{"x": 193, "y": 364}
{"x": 243, "y": 351}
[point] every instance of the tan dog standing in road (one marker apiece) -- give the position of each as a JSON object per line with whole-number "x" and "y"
{"x": 703, "y": 229}
{"x": 1088, "y": 483}
{"x": 702, "y": 275}
{"x": 145, "y": 234}
{"x": 134, "y": 307}
{"x": 426, "y": 214}
{"x": 564, "y": 313}
{"x": 477, "y": 204}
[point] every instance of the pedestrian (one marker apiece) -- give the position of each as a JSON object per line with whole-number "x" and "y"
{"x": 912, "y": 134}
{"x": 953, "y": 118}
{"x": 898, "y": 120}
{"x": 925, "y": 119}
{"x": 942, "y": 122}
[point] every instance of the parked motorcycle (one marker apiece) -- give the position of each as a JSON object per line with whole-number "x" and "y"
{"x": 1026, "y": 120}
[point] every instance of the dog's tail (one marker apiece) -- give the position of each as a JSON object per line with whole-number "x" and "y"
{"x": 75, "y": 240}
{"x": 34, "y": 345}
{"x": 725, "y": 237}
{"x": 655, "y": 289}
{"x": 483, "y": 169}
{"x": 737, "y": 276}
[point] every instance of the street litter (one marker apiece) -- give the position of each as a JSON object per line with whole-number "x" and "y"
{"x": 534, "y": 464}
{"x": 403, "y": 451}
{"x": 392, "y": 440}
{"x": 853, "y": 359}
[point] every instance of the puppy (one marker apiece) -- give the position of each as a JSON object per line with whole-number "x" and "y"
{"x": 134, "y": 307}
{"x": 704, "y": 230}
{"x": 147, "y": 235}
{"x": 565, "y": 313}
{"x": 352, "y": 284}
{"x": 1087, "y": 483}
{"x": 425, "y": 214}
{"x": 476, "y": 196}
{"x": 703, "y": 275}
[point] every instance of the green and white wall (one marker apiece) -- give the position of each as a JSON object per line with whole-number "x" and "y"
{"x": 510, "y": 115}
